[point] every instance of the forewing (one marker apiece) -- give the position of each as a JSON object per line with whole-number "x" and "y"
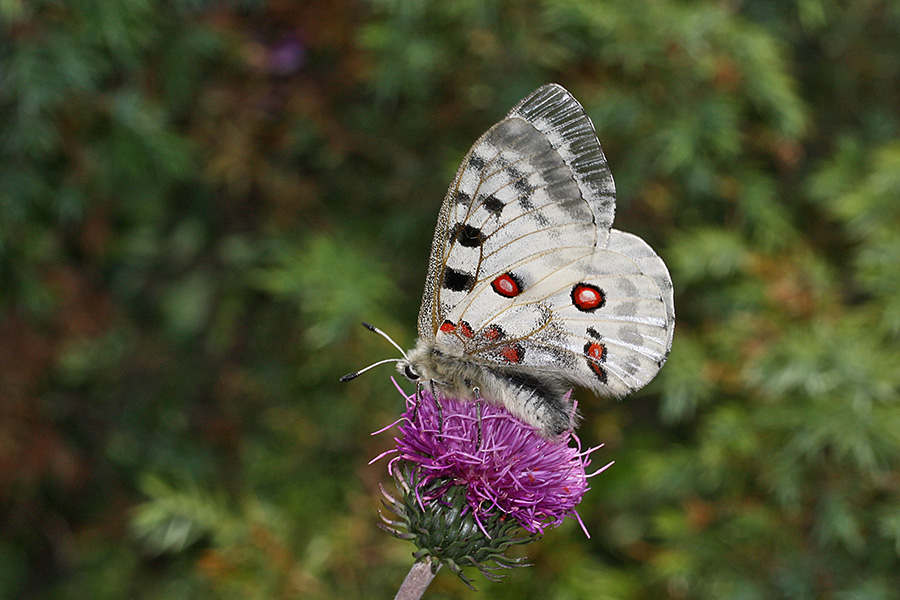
{"x": 535, "y": 187}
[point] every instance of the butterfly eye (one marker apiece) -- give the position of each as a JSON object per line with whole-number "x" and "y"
{"x": 410, "y": 374}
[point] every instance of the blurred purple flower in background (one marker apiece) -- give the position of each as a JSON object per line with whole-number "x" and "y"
{"x": 287, "y": 55}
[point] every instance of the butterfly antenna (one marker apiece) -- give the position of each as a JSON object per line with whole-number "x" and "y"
{"x": 356, "y": 374}
{"x": 371, "y": 327}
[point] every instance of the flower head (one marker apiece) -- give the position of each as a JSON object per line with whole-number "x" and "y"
{"x": 476, "y": 474}
{"x": 505, "y": 465}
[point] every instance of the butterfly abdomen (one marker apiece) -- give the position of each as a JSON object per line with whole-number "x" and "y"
{"x": 542, "y": 401}
{"x": 539, "y": 400}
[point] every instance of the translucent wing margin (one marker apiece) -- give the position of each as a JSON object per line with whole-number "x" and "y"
{"x": 536, "y": 186}
{"x": 650, "y": 265}
{"x": 559, "y": 116}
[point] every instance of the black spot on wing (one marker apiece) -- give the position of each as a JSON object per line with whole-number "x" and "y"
{"x": 528, "y": 205}
{"x": 540, "y": 217}
{"x": 458, "y": 281}
{"x": 476, "y": 162}
{"x": 463, "y": 198}
{"x": 468, "y": 236}
{"x": 519, "y": 180}
{"x": 494, "y": 205}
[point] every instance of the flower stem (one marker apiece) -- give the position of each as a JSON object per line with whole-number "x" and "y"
{"x": 418, "y": 578}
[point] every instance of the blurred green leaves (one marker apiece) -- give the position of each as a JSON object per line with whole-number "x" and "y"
{"x": 199, "y": 201}
{"x": 172, "y": 519}
{"x": 334, "y": 282}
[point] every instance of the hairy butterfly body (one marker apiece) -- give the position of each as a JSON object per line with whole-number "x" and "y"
{"x": 529, "y": 290}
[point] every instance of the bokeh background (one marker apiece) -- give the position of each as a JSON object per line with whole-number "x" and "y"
{"x": 201, "y": 200}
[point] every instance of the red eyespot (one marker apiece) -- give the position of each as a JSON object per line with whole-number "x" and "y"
{"x": 448, "y": 327}
{"x": 596, "y": 354}
{"x": 596, "y": 351}
{"x": 599, "y": 371}
{"x": 494, "y": 332}
{"x": 466, "y": 329}
{"x": 507, "y": 285}
{"x": 513, "y": 354}
{"x": 587, "y": 297}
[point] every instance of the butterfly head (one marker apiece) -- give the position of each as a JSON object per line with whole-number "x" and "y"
{"x": 417, "y": 365}
{"x": 407, "y": 370}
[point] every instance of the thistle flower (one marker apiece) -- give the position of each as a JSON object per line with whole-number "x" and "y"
{"x": 472, "y": 477}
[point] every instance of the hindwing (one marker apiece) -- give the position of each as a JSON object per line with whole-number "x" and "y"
{"x": 599, "y": 320}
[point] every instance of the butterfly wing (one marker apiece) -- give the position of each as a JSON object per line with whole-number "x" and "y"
{"x": 535, "y": 183}
{"x": 652, "y": 266}
{"x": 599, "y": 320}
{"x": 526, "y": 273}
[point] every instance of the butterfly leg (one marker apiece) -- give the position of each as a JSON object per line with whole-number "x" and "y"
{"x": 418, "y": 398}
{"x": 477, "y": 393}
{"x": 440, "y": 409}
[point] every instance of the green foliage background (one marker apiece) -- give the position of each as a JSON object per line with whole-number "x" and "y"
{"x": 200, "y": 200}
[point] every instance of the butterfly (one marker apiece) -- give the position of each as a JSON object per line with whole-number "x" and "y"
{"x": 529, "y": 290}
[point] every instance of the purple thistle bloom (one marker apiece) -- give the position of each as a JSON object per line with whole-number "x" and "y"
{"x": 506, "y": 467}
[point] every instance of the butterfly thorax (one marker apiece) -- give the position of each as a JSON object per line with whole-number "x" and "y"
{"x": 537, "y": 398}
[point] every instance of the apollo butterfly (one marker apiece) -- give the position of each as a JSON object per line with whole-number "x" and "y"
{"x": 529, "y": 290}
